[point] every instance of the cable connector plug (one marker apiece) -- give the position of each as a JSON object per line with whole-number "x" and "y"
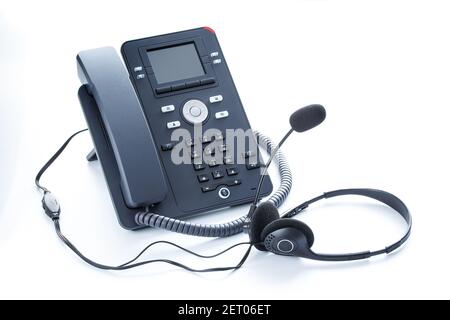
{"x": 51, "y": 205}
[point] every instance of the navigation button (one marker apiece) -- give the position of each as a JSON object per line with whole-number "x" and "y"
{"x": 217, "y": 61}
{"x": 214, "y": 54}
{"x": 195, "y": 111}
{"x": 137, "y": 69}
{"x": 140, "y": 76}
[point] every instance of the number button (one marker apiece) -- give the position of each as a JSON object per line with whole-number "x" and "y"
{"x": 203, "y": 178}
{"x": 232, "y": 171}
{"x": 217, "y": 174}
{"x": 199, "y": 166}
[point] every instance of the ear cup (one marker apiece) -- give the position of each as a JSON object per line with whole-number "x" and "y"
{"x": 289, "y": 223}
{"x": 264, "y": 214}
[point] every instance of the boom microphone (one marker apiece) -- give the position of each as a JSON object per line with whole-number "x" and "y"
{"x": 301, "y": 120}
{"x": 307, "y": 117}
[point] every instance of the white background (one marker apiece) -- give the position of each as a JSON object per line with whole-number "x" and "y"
{"x": 382, "y": 70}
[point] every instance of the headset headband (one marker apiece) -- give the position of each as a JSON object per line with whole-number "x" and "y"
{"x": 385, "y": 197}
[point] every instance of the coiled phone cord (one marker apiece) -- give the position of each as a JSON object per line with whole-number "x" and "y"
{"x": 227, "y": 229}
{"x": 202, "y": 230}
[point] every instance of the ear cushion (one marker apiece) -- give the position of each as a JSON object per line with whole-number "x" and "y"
{"x": 264, "y": 214}
{"x": 289, "y": 223}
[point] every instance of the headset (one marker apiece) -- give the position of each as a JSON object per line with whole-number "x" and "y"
{"x": 266, "y": 228}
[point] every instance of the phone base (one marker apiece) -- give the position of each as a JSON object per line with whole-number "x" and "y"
{"x": 104, "y": 153}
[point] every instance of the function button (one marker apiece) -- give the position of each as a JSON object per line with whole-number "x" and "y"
{"x": 207, "y": 81}
{"x": 227, "y": 160}
{"x": 179, "y": 86}
{"x": 161, "y": 90}
{"x": 199, "y": 166}
{"x": 215, "y": 99}
{"x": 167, "y": 146}
{"x": 213, "y": 163}
{"x": 203, "y": 178}
{"x": 140, "y": 76}
{"x": 208, "y": 188}
{"x": 217, "y": 61}
{"x": 173, "y": 124}
{"x": 224, "y": 193}
{"x": 192, "y": 83}
{"x": 217, "y": 174}
{"x": 248, "y": 154}
{"x": 166, "y": 109}
{"x": 234, "y": 182}
{"x": 137, "y": 69}
{"x": 251, "y": 166}
{"x": 214, "y": 54}
{"x": 222, "y": 114}
{"x": 232, "y": 171}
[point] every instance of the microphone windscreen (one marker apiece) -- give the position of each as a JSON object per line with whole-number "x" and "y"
{"x": 307, "y": 117}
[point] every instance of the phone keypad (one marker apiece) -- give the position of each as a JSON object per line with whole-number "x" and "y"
{"x": 217, "y": 168}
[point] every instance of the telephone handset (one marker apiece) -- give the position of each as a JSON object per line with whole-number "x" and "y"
{"x": 103, "y": 73}
{"x": 177, "y": 81}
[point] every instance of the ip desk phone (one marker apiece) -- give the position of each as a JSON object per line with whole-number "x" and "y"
{"x": 181, "y": 81}
{"x": 172, "y": 81}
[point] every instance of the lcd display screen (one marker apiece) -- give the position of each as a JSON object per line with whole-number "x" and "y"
{"x": 176, "y": 63}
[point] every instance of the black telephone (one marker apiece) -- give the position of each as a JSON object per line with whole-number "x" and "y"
{"x": 174, "y": 81}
